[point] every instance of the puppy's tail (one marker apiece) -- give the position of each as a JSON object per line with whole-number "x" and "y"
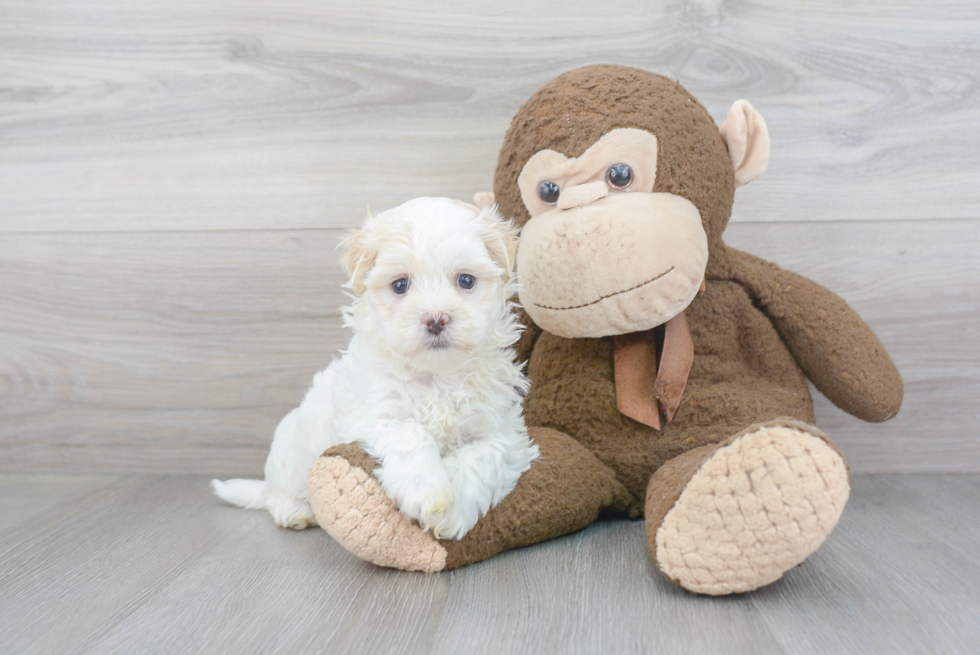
{"x": 249, "y": 494}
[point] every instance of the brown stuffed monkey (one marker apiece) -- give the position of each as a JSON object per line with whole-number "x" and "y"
{"x": 668, "y": 370}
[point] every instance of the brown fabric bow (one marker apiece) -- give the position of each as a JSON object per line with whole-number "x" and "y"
{"x": 641, "y": 382}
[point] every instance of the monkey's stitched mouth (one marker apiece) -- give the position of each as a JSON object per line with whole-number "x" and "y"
{"x": 615, "y": 293}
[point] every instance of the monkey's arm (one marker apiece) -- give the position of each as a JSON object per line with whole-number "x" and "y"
{"x": 832, "y": 344}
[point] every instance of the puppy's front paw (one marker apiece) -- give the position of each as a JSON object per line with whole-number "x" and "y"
{"x": 429, "y": 503}
{"x": 434, "y": 509}
{"x": 426, "y": 497}
{"x": 460, "y": 517}
{"x": 435, "y": 502}
{"x": 452, "y": 523}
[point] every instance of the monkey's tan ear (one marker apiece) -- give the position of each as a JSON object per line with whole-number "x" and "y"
{"x": 358, "y": 258}
{"x": 483, "y": 199}
{"x": 500, "y": 238}
{"x": 747, "y": 137}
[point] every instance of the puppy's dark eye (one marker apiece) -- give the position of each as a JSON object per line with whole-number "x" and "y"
{"x": 619, "y": 176}
{"x": 465, "y": 281}
{"x": 549, "y": 192}
{"x": 400, "y": 285}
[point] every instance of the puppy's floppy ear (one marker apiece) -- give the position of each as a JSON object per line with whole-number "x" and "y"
{"x": 483, "y": 198}
{"x": 500, "y": 238}
{"x": 359, "y": 255}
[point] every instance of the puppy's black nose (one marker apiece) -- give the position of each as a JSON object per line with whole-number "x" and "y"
{"x": 435, "y": 323}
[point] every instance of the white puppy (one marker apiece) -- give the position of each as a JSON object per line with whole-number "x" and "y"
{"x": 428, "y": 385}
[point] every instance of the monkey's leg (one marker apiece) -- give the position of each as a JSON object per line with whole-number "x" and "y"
{"x": 565, "y": 490}
{"x": 734, "y": 516}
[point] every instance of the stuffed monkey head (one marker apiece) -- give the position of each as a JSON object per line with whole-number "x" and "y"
{"x": 623, "y": 184}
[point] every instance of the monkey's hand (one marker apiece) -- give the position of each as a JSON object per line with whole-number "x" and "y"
{"x": 832, "y": 344}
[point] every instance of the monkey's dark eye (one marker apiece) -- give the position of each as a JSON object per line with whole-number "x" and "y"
{"x": 465, "y": 281}
{"x": 549, "y": 192}
{"x": 619, "y": 176}
{"x": 400, "y": 285}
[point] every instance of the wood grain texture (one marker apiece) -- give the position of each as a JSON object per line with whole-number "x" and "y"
{"x": 155, "y": 564}
{"x": 174, "y": 177}
{"x": 222, "y": 114}
{"x": 914, "y": 283}
{"x": 172, "y": 350}
{"x": 176, "y": 351}
{"x": 44, "y": 494}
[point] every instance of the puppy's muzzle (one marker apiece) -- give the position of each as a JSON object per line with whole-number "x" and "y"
{"x": 436, "y": 323}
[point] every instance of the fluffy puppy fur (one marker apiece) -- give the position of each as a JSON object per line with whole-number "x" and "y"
{"x": 428, "y": 384}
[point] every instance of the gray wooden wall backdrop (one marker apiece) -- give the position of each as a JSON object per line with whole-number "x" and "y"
{"x": 175, "y": 175}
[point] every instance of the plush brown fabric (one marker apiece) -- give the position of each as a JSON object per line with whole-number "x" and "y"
{"x": 749, "y": 511}
{"x": 832, "y": 344}
{"x": 668, "y": 483}
{"x": 354, "y": 455}
{"x": 574, "y": 110}
{"x": 742, "y": 374}
{"x": 670, "y": 480}
{"x": 565, "y": 490}
{"x": 758, "y": 332}
{"x": 756, "y": 328}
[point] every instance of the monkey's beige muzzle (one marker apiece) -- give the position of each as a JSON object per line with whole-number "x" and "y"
{"x": 624, "y": 263}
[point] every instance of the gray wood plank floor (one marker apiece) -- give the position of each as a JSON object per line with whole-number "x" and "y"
{"x": 131, "y": 564}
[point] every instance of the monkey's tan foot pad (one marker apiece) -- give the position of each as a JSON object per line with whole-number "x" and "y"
{"x": 759, "y": 506}
{"x": 353, "y": 509}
